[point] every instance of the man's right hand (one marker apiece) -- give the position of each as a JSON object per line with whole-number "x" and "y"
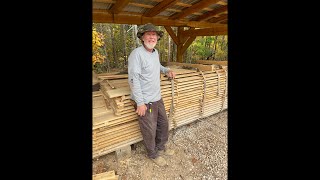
{"x": 141, "y": 110}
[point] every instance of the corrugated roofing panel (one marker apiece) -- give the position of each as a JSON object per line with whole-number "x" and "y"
{"x": 166, "y": 13}
{"x": 215, "y": 6}
{"x": 177, "y": 7}
{"x": 101, "y": 5}
{"x": 191, "y": 16}
{"x": 136, "y": 9}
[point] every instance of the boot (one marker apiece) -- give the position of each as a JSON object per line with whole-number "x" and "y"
{"x": 160, "y": 161}
{"x": 168, "y": 152}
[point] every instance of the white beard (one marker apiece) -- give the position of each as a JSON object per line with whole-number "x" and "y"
{"x": 150, "y": 45}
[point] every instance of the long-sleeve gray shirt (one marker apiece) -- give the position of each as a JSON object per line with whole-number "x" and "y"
{"x": 144, "y": 75}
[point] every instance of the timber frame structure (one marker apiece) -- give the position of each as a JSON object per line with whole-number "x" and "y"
{"x": 192, "y": 17}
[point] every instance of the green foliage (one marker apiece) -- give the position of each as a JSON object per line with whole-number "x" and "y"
{"x": 99, "y": 67}
{"x": 208, "y": 46}
{"x": 97, "y": 43}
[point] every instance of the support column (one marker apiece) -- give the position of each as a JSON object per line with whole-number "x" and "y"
{"x": 180, "y": 45}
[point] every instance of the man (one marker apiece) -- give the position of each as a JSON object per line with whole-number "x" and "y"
{"x": 144, "y": 70}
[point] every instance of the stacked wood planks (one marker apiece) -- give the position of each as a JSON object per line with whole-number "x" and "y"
{"x": 192, "y": 95}
{"x": 109, "y": 175}
{"x": 118, "y": 126}
{"x": 216, "y": 92}
{"x": 189, "y": 84}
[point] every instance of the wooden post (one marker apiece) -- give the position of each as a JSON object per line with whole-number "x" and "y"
{"x": 180, "y": 45}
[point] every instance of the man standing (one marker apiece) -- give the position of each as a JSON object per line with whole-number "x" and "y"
{"x": 144, "y": 70}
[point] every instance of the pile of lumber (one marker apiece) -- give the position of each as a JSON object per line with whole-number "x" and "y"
{"x": 216, "y": 92}
{"x": 189, "y": 84}
{"x": 117, "y": 126}
{"x": 109, "y": 175}
{"x": 192, "y": 95}
{"x": 200, "y": 94}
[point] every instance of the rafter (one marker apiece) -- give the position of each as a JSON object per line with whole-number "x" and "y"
{"x": 196, "y": 7}
{"x": 172, "y": 34}
{"x": 188, "y": 43}
{"x": 206, "y": 32}
{"x": 183, "y": 4}
{"x": 104, "y": 1}
{"x": 211, "y": 14}
{"x": 160, "y": 7}
{"x": 222, "y": 17}
{"x": 119, "y": 5}
{"x": 224, "y": 21}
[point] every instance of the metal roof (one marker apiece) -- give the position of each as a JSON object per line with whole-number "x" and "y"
{"x": 176, "y": 13}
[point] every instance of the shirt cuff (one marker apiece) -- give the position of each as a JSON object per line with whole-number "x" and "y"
{"x": 167, "y": 70}
{"x": 141, "y": 103}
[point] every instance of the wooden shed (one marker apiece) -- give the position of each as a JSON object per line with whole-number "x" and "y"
{"x": 200, "y": 93}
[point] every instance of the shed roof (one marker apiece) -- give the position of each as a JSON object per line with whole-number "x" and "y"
{"x": 176, "y": 13}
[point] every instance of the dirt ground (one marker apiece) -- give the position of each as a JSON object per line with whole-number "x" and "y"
{"x": 200, "y": 153}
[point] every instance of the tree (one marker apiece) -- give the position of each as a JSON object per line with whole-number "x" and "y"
{"x": 97, "y": 43}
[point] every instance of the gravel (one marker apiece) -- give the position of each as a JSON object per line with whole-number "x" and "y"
{"x": 201, "y": 152}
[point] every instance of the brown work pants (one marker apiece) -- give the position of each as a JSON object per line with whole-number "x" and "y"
{"x": 154, "y": 128}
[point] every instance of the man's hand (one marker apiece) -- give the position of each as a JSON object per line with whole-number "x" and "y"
{"x": 141, "y": 110}
{"x": 171, "y": 74}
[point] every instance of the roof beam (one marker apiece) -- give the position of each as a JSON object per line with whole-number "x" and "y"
{"x": 206, "y": 32}
{"x": 188, "y": 43}
{"x": 149, "y": 6}
{"x": 104, "y": 1}
{"x": 211, "y": 14}
{"x": 194, "y": 8}
{"x": 223, "y": 21}
{"x": 222, "y": 17}
{"x": 183, "y": 4}
{"x": 160, "y": 7}
{"x": 120, "y": 4}
{"x": 103, "y": 16}
{"x": 172, "y": 34}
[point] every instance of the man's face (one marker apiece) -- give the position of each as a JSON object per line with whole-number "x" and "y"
{"x": 150, "y": 39}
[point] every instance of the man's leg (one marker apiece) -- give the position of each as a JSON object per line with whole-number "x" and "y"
{"x": 148, "y": 125}
{"x": 162, "y": 126}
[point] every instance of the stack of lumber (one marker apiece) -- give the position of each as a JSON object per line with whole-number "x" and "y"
{"x": 222, "y": 63}
{"x": 118, "y": 126}
{"x": 117, "y": 98}
{"x": 169, "y": 94}
{"x": 189, "y": 84}
{"x": 109, "y": 175}
{"x": 216, "y": 94}
{"x": 192, "y": 95}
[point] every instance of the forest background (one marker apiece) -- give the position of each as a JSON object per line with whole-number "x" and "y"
{"x": 113, "y": 43}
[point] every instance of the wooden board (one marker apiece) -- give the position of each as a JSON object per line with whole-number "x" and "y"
{"x": 224, "y": 63}
{"x": 118, "y": 92}
{"x": 109, "y": 175}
